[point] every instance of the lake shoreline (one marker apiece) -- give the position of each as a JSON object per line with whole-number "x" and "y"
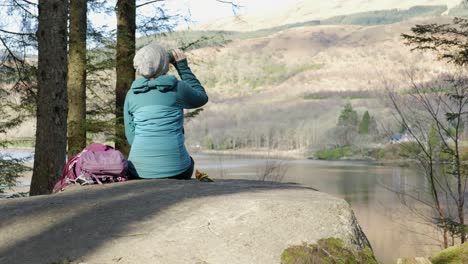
{"x": 273, "y": 154}
{"x": 301, "y": 155}
{"x": 258, "y": 153}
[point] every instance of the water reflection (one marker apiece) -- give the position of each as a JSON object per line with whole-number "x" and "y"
{"x": 377, "y": 195}
{"x": 24, "y": 154}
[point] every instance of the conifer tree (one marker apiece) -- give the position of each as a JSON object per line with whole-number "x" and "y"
{"x": 51, "y": 131}
{"x": 126, "y": 27}
{"x": 76, "y": 82}
{"x": 364, "y": 125}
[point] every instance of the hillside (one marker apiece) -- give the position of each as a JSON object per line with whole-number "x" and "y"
{"x": 320, "y": 10}
{"x": 302, "y": 77}
{"x": 290, "y": 82}
{"x": 311, "y": 59}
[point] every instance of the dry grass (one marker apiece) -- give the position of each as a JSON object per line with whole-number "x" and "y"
{"x": 313, "y": 59}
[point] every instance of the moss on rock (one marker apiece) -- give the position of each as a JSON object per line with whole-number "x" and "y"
{"x": 452, "y": 255}
{"x": 326, "y": 251}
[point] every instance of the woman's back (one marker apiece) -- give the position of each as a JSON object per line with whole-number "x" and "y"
{"x": 153, "y": 114}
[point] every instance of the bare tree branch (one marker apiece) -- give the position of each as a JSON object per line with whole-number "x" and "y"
{"x": 149, "y": 2}
{"x": 17, "y": 33}
{"x": 29, "y": 2}
{"x": 235, "y": 7}
{"x": 24, "y": 8}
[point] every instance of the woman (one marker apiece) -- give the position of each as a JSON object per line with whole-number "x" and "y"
{"x": 154, "y": 116}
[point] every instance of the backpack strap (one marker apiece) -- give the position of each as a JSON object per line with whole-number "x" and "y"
{"x": 65, "y": 179}
{"x": 96, "y": 179}
{"x": 81, "y": 180}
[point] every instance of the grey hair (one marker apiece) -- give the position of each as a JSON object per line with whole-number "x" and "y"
{"x": 151, "y": 61}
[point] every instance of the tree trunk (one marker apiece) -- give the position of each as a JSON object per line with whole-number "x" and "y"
{"x": 460, "y": 177}
{"x": 126, "y": 12}
{"x": 461, "y": 201}
{"x": 51, "y": 132}
{"x": 437, "y": 204}
{"x": 77, "y": 78}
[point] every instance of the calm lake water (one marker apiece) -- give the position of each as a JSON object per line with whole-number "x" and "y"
{"x": 392, "y": 228}
{"x": 371, "y": 190}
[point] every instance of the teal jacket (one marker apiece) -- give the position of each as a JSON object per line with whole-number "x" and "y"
{"x": 154, "y": 122}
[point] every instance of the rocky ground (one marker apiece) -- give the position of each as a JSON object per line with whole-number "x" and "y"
{"x": 168, "y": 221}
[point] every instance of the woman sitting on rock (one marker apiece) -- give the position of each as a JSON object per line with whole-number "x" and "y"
{"x": 154, "y": 114}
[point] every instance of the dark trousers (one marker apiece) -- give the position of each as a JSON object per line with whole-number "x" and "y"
{"x": 186, "y": 175}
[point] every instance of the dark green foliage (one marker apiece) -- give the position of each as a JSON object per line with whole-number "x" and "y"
{"x": 12, "y": 116}
{"x": 10, "y": 170}
{"x": 334, "y": 153}
{"x": 348, "y": 116}
{"x": 17, "y": 81}
{"x": 385, "y": 16}
{"x": 350, "y": 95}
{"x": 102, "y": 127}
{"x": 447, "y": 40}
{"x": 373, "y": 126}
{"x": 346, "y": 129}
{"x": 349, "y": 131}
{"x": 386, "y": 153}
{"x": 315, "y": 97}
{"x": 100, "y": 90}
{"x": 192, "y": 114}
{"x": 364, "y": 125}
{"x": 452, "y": 255}
{"x": 100, "y": 105}
{"x": 454, "y": 228}
{"x": 326, "y": 251}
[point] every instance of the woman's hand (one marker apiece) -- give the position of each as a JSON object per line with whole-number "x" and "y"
{"x": 178, "y": 55}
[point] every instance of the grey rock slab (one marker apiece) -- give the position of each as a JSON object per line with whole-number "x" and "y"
{"x": 169, "y": 221}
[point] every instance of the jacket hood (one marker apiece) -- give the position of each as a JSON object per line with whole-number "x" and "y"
{"x": 163, "y": 83}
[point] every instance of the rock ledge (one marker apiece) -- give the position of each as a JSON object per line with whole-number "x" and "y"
{"x": 168, "y": 221}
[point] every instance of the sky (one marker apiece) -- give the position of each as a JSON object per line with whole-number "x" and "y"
{"x": 202, "y": 11}
{"x": 199, "y": 11}
{"x": 205, "y": 10}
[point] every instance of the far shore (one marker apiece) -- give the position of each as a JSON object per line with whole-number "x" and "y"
{"x": 301, "y": 155}
{"x": 261, "y": 153}
{"x": 273, "y": 154}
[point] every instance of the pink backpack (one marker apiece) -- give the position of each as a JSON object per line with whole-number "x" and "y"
{"x": 96, "y": 164}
